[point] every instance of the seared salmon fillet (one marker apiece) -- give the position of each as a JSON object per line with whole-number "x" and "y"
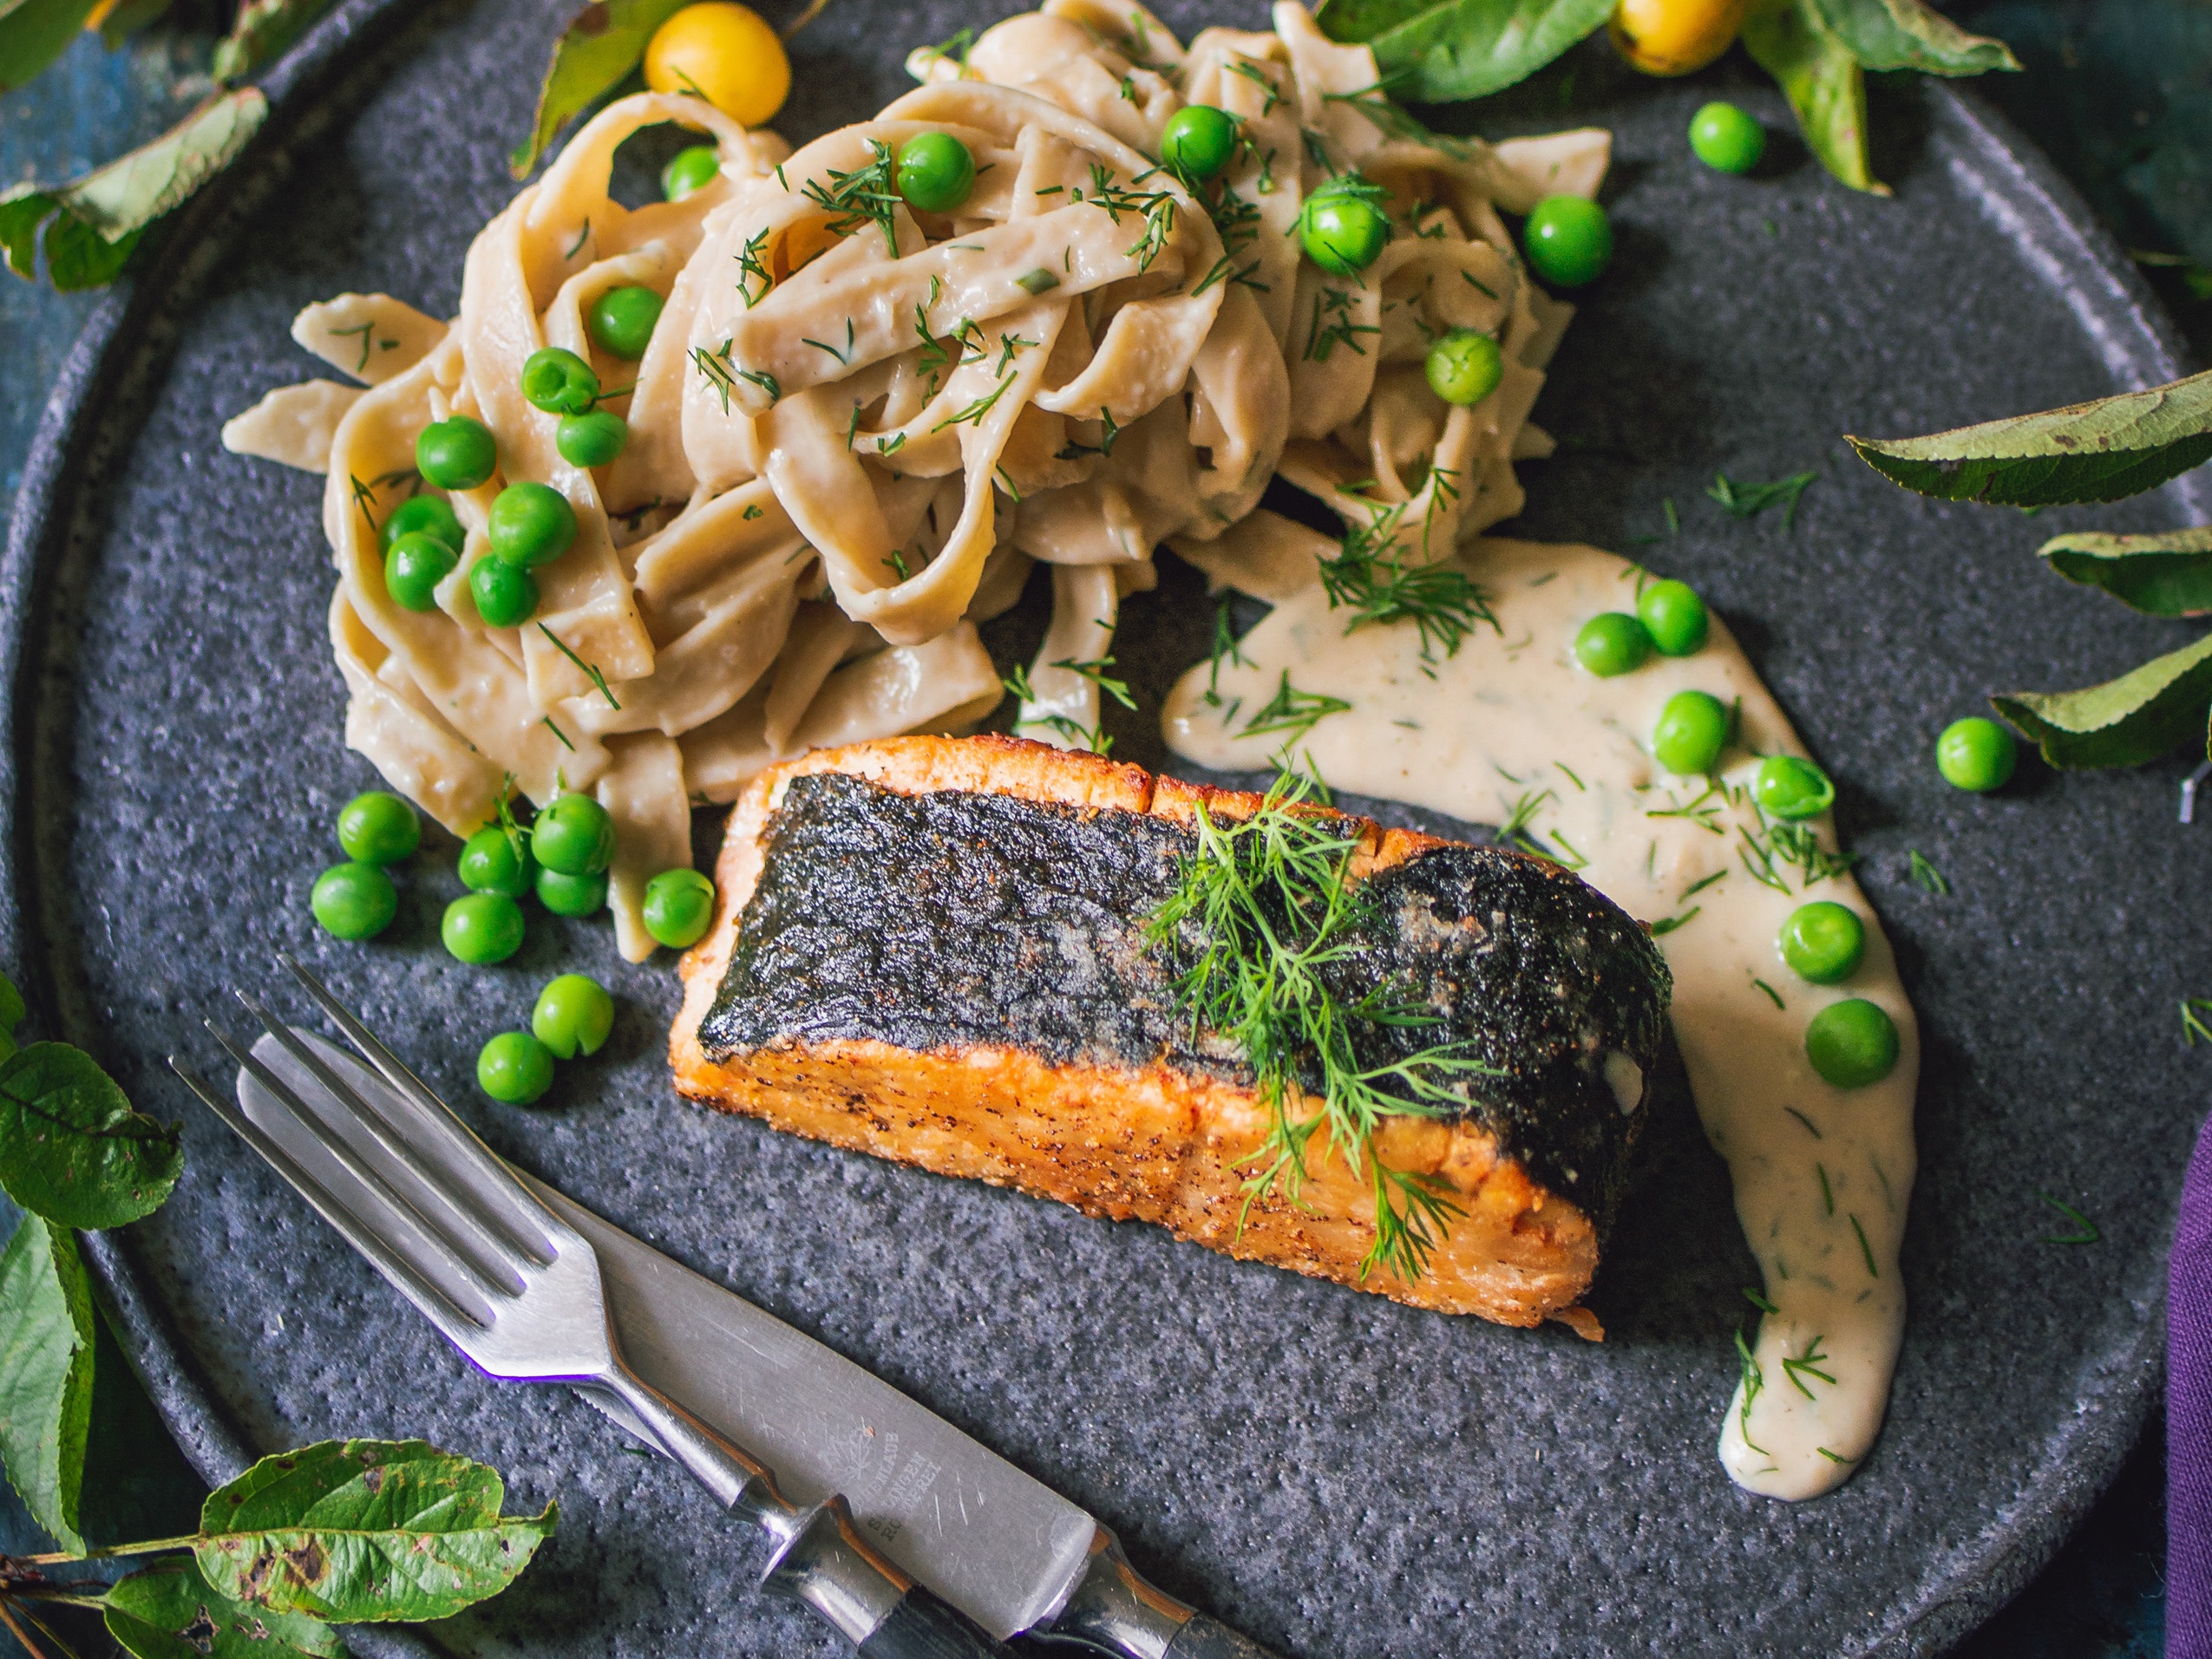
{"x": 931, "y": 950}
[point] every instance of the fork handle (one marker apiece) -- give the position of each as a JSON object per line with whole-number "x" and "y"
{"x": 828, "y": 1565}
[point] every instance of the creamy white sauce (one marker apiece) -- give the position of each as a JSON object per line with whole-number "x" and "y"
{"x": 1822, "y": 1174}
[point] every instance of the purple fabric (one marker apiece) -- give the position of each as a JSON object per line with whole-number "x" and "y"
{"x": 2188, "y": 1417}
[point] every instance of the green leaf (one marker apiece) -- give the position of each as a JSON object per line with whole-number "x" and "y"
{"x": 11, "y": 1015}
{"x": 2169, "y": 575}
{"x": 1441, "y": 51}
{"x": 354, "y": 1531}
{"x": 1906, "y": 34}
{"x": 136, "y": 189}
{"x": 2137, "y": 717}
{"x": 1823, "y": 82}
{"x": 2086, "y": 452}
{"x": 601, "y": 45}
{"x": 169, "y": 1612}
{"x": 264, "y": 28}
{"x": 45, "y": 1374}
{"x": 33, "y": 33}
{"x": 127, "y": 17}
{"x": 78, "y": 256}
{"x": 71, "y": 1149}
{"x": 22, "y": 210}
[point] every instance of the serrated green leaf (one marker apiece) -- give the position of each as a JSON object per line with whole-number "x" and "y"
{"x": 1441, "y": 51}
{"x": 264, "y": 28}
{"x": 22, "y": 210}
{"x": 2168, "y": 575}
{"x": 2137, "y": 717}
{"x": 1906, "y": 34}
{"x": 45, "y": 1374}
{"x": 355, "y": 1531}
{"x": 169, "y": 1612}
{"x": 1822, "y": 82}
{"x": 35, "y": 32}
{"x": 135, "y": 190}
{"x": 2099, "y": 451}
{"x": 72, "y": 1149}
{"x": 601, "y": 45}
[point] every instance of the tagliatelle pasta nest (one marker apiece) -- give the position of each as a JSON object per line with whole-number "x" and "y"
{"x": 856, "y": 428}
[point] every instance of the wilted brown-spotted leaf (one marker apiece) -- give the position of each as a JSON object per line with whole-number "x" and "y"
{"x": 1823, "y": 82}
{"x": 169, "y": 1612}
{"x": 135, "y": 190}
{"x": 2137, "y": 717}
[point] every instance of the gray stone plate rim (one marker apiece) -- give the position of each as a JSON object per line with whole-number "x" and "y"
{"x": 93, "y": 420}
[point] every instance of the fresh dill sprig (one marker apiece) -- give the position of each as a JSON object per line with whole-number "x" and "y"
{"x": 1519, "y": 814}
{"x": 976, "y": 410}
{"x": 715, "y": 365}
{"x": 1095, "y": 671}
{"x": 1225, "y": 647}
{"x": 364, "y": 329}
{"x": 1745, "y": 501}
{"x": 1865, "y": 1249}
{"x": 1292, "y": 712}
{"x": 1368, "y": 578}
{"x": 1323, "y": 336}
{"x": 590, "y": 670}
{"x": 1252, "y": 73}
{"x": 2088, "y": 1233}
{"x": 2193, "y": 1026}
{"x": 547, "y": 722}
{"x": 1757, "y": 1299}
{"x": 1927, "y": 877}
{"x": 751, "y": 267}
{"x": 1262, "y": 912}
{"x": 1661, "y": 929}
{"x": 365, "y": 497}
{"x": 1808, "y": 1364}
{"x": 761, "y": 379}
{"x": 1154, "y": 209}
{"x": 1702, "y": 809}
{"x": 868, "y": 195}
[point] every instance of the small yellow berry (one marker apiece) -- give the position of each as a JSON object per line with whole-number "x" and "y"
{"x": 724, "y": 53}
{"x": 1673, "y": 37}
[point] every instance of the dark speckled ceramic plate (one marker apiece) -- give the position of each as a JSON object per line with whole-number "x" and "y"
{"x": 1340, "y": 1476}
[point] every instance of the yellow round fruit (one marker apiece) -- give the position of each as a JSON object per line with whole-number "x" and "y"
{"x": 724, "y": 53}
{"x": 1672, "y": 36}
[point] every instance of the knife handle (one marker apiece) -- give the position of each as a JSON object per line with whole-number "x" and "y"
{"x": 1112, "y": 1609}
{"x": 826, "y": 1564}
{"x": 1206, "y": 1638}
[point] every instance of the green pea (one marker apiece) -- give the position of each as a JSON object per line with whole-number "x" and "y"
{"x": 531, "y": 525}
{"x": 379, "y": 827}
{"x": 429, "y": 515}
{"x": 593, "y": 439}
{"x": 573, "y": 1016}
{"x": 414, "y": 565}
{"x": 515, "y": 1069}
{"x": 572, "y": 895}
{"x": 1341, "y": 228}
{"x": 559, "y": 382}
{"x": 493, "y": 862}
{"x": 1568, "y": 240}
{"x": 1614, "y": 643}
{"x": 1852, "y": 1043}
{"x": 1197, "y": 142}
{"x": 621, "y": 321}
{"x": 1824, "y": 942}
{"x": 574, "y": 836}
{"x": 354, "y": 901}
{"x": 1675, "y": 616}
{"x": 456, "y": 453}
{"x": 1789, "y": 788}
{"x": 482, "y": 927}
{"x": 1692, "y": 730}
{"x": 505, "y": 597}
{"x": 1976, "y": 753}
{"x": 934, "y": 172}
{"x": 679, "y": 908}
{"x": 692, "y": 169}
{"x": 1464, "y": 367}
{"x": 1726, "y": 139}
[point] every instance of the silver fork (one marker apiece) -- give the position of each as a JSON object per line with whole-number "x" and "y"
{"x": 517, "y": 1290}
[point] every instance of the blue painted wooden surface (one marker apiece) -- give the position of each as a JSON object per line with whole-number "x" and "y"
{"x": 2119, "y": 92}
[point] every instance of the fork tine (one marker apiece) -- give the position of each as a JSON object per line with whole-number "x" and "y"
{"x": 455, "y": 1322}
{"x": 456, "y": 1138}
{"x": 469, "y": 1224}
{"x": 441, "y": 1246}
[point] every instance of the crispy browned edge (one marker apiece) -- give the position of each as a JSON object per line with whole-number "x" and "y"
{"x": 1152, "y": 1145}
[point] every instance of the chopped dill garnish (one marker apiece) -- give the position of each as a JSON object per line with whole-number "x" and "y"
{"x": 1322, "y": 338}
{"x": 1927, "y": 877}
{"x": 1696, "y": 887}
{"x": 1226, "y": 645}
{"x": 1370, "y": 578}
{"x": 576, "y": 246}
{"x": 1294, "y": 712}
{"x": 1579, "y": 784}
{"x": 1833, "y": 1457}
{"x": 1827, "y": 1194}
{"x": 2193, "y": 1026}
{"x": 1154, "y": 208}
{"x": 1757, "y": 1299}
{"x": 1519, "y": 815}
{"x": 1865, "y": 1249}
{"x": 591, "y": 670}
{"x": 1770, "y": 990}
{"x": 751, "y": 267}
{"x": 763, "y": 380}
{"x": 752, "y": 511}
{"x": 1660, "y": 930}
{"x": 2088, "y": 1235}
{"x": 1095, "y": 671}
{"x": 895, "y": 560}
{"x": 976, "y": 410}
{"x": 547, "y": 722}
{"x": 365, "y": 497}
{"x": 953, "y": 49}
{"x": 715, "y": 365}
{"x": 1039, "y": 281}
{"x": 1008, "y": 345}
{"x": 1807, "y": 1365}
{"x": 1252, "y": 73}
{"x": 364, "y": 331}
{"x": 1754, "y": 1380}
{"x": 1810, "y": 1125}
{"x": 1263, "y": 913}
{"x": 1745, "y": 501}
{"x": 844, "y": 356}
{"x": 868, "y": 195}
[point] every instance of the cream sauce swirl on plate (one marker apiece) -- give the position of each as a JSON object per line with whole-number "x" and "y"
{"x": 1510, "y": 730}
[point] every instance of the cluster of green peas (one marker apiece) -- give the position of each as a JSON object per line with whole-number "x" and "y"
{"x": 563, "y": 858}
{"x": 531, "y": 525}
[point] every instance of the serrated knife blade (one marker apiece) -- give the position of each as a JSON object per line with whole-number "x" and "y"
{"x": 1007, "y": 1549}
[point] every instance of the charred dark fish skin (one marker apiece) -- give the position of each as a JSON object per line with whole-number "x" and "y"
{"x": 948, "y": 920}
